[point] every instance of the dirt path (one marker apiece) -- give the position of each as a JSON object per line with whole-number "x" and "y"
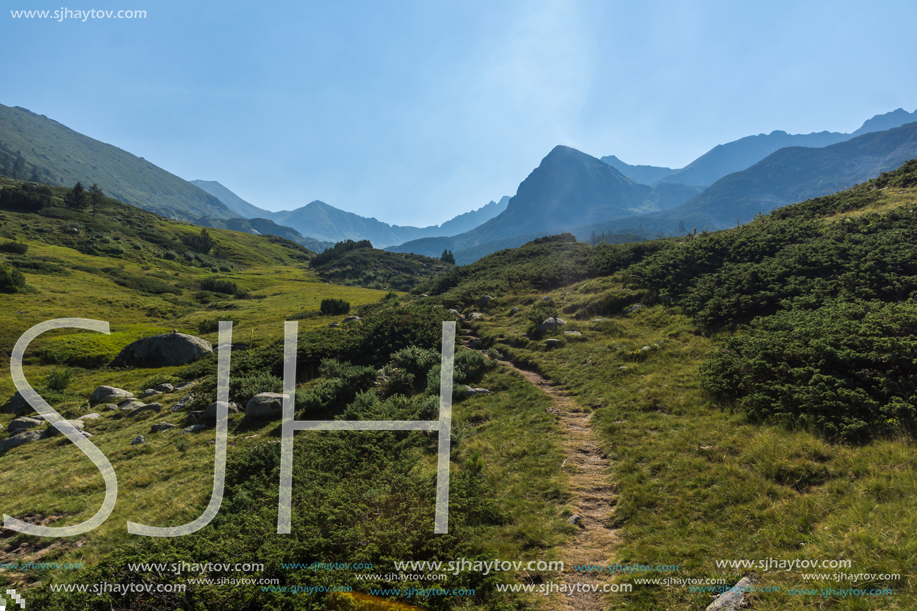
{"x": 592, "y": 496}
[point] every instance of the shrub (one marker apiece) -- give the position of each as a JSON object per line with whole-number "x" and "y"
{"x": 11, "y": 280}
{"x": 334, "y": 306}
{"x": 59, "y": 379}
{"x": 843, "y": 369}
{"x": 16, "y": 248}
{"x": 215, "y": 285}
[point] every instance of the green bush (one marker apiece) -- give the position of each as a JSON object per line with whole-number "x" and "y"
{"x": 17, "y": 248}
{"x": 215, "y": 285}
{"x": 844, "y": 369}
{"x": 59, "y": 379}
{"x": 334, "y": 306}
{"x": 11, "y": 280}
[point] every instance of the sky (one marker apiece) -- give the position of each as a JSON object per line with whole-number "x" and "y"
{"x": 414, "y": 112}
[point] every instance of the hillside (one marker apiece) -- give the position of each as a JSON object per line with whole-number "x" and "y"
{"x": 756, "y": 382}
{"x": 378, "y": 269}
{"x": 146, "y": 275}
{"x": 62, "y": 157}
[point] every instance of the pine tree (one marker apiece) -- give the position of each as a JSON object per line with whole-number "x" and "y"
{"x": 447, "y": 257}
{"x": 76, "y": 198}
{"x": 95, "y": 197}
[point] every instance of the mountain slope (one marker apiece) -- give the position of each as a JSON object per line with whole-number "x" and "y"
{"x": 65, "y": 157}
{"x": 569, "y": 188}
{"x": 724, "y": 159}
{"x": 795, "y": 174}
{"x": 231, "y": 200}
{"x": 644, "y": 174}
{"x": 470, "y": 220}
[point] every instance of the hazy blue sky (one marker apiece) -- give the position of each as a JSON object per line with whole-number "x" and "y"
{"x": 413, "y": 112}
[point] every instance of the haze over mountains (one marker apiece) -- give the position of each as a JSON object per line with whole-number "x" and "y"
{"x": 569, "y": 190}
{"x": 322, "y": 222}
{"x": 724, "y": 159}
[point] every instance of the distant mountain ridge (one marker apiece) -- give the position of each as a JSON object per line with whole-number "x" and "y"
{"x": 65, "y": 157}
{"x": 738, "y": 155}
{"x": 568, "y": 188}
{"x": 327, "y": 224}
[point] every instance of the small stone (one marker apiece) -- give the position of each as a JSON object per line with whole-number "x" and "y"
{"x": 109, "y": 407}
{"x": 552, "y": 343}
{"x": 92, "y": 416}
{"x": 138, "y": 440}
{"x": 476, "y": 316}
{"x": 149, "y": 392}
{"x": 350, "y": 319}
{"x": 162, "y": 426}
{"x": 634, "y": 308}
{"x": 476, "y": 391}
{"x": 164, "y": 388}
{"x": 334, "y": 324}
{"x": 514, "y": 311}
{"x": 573, "y": 333}
{"x": 457, "y": 314}
{"x": 265, "y": 405}
{"x": 576, "y": 520}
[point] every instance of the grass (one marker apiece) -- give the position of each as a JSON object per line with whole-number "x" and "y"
{"x": 698, "y": 483}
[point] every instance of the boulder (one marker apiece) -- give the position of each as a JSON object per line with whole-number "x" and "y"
{"x": 166, "y": 350}
{"x": 138, "y": 440}
{"x": 514, "y": 311}
{"x": 149, "y": 407}
{"x": 52, "y": 430}
{"x": 92, "y": 416}
{"x": 210, "y": 412}
{"x": 195, "y": 428}
{"x": 18, "y": 440}
{"x": 17, "y": 405}
{"x": 107, "y": 394}
{"x": 162, "y": 426}
{"x": 484, "y": 300}
{"x": 183, "y": 403}
{"x": 23, "y": 424}
{"x": 265, "y": 405}
{"x": 164, "y": 388}
{"x": 477, "y": 316}
{"x": 634, "y": 308}
{"x": 547, "y": 298}
{"x": 576, "y": 520}
{"x": 457, "y": 314}
{"x": 551, "y": 323}
{"x": 350, "y": 319}
{"x": 573, "y": 333}
{"x": 732, "y": 599}
{"x": 476, "y": 391}
{"x": 334, "y": 324}
{"x": 109, "y": 407}
{"x": 552, "y": 343}
{"x": 149, "y": 392}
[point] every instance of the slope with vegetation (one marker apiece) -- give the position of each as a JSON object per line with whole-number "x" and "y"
{"x": 359, "y": 264}
{"x": 61, "y": 156}
{"x": 358, "y": 496}
{"x": 753, "y": 390}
